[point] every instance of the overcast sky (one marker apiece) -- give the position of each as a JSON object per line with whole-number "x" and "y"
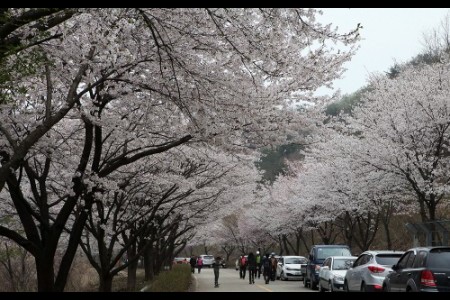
{"x": 389, "y": 35}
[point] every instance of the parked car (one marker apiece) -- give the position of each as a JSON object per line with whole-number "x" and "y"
{"x": 289, "y": 267}
{"x": 421, "y": 269}
{"x": 316, "y": 258}
{"x": 332, "y": 272}
{"x": 207, "y": 260}
{"x": 368, "y": 271}
{"x": 181, "y": 260}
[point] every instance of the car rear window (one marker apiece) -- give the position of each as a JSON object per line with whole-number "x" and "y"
{"x": 208, "y": 257}
{"x": 295, "y": 261}
{"x": 388, "y": 259}
{"x": 323, "y": 253}
{"x": 439, "y": 258}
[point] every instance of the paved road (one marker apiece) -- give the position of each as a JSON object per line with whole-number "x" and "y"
{"x": 230, "y": 282}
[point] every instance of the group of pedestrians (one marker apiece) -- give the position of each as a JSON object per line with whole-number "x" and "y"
{"x": 198, "y": 262}
{"x": 270, "y": 264}
{"x": 254, "y": 264}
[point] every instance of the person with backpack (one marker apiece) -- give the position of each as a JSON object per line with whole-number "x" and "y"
{"x": 193, "y": 262}
{"x": 267, "y": 270}
{"x": 274, "y": 264}
{"x": 258, "y": 263}
{"x": 199, "y": 264}
{"x": 242, "y": 266}
{"x": 251, "y": 264}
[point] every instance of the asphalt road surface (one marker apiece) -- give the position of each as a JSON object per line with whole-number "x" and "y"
{"x": 229, "y": 281}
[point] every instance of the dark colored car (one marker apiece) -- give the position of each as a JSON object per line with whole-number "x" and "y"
{"x": 422, "y": 269}
{"x": 317, "y": 256}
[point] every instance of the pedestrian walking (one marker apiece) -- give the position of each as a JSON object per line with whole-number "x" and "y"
{"x": 274, "y": 264}
{"x": 251, "y": 265}
{"x": 199, "y": 263}
{"x": 193, "y": 262}
{"x": 258, "y": 264}
{"x": 242, "y": 266}
{"x": 216, "y": 266}
{"x": 267, "y": 270}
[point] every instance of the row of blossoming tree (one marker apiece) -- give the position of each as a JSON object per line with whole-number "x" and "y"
{"x": 124, "y": 130}
{"x": 388, "y": 157}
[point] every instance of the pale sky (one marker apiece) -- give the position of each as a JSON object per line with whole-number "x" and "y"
{"x": 389, "y": 35}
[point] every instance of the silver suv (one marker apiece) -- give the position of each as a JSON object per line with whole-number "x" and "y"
{"x": 208, "y": 260}
{"x": 368, "y": 271}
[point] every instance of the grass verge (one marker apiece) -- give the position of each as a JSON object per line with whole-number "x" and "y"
{"x": 176, "y": 280}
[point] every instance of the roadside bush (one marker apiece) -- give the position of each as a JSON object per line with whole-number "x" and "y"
{"x": 176, "y": 280}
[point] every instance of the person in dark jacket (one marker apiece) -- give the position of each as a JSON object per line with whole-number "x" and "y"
{"x": 193, "y": 262}
{"x": 216, "y": 265}
{"x": 274, "y": 264}
{"x": 267, "y": 270}
{"x": 251, "y": 265}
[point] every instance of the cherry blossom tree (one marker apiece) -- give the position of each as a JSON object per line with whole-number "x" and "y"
{"x": 113, "y": 86}
{"x": 404, "y": 124}
{"x": 336, "y": 192}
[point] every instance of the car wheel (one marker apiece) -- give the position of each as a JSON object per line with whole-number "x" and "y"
{"x": 363, "y": 287}
{"x": 321, "y": 289}
{"x": 346, "y": 286}
{"x": 330, "y": 286}
{"x": 305, "y": 282}
{"x": 312, "y": 283}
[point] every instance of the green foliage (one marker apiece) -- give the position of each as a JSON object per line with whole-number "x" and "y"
{"x": 176, "y": 280}
{"x": 273, "y": 161}
{"x": 20, "y": 55}
{"x": 11, "y": 252}
{"x": 346, "y": 103}
{"x": 427, "y": 57}
{"x": 25, "y": 64}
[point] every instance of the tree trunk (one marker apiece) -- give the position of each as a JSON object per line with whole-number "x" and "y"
{"x": 303, "y": 239}
{"x": 297, "y": 241}
{"x": 386, "y": 219}
{"x": 387, "y": 233}
{"x": 348, "y": 229}
{"x": 435, "y": 238}
{"x": 44, "y": 272}
{"x": 132, "y": 268}
{"x": 148, "y": 264}
{"x": 285, "y": 245}
{"x": 105, "y": 283}
{"x": 228, "y": 251}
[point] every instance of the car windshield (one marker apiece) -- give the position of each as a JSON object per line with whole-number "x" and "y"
{"x": 323, "y": 253}
{"x": 295, "y": 260}
{"x": 388, "y": 259}
{"x": 208, "y": 257}
{"x": 342, "y": 264}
